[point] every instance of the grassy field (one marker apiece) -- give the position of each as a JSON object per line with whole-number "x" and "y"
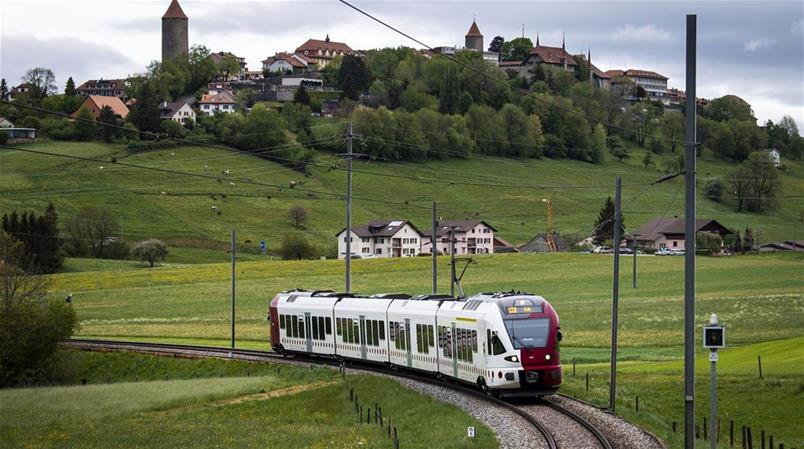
{"x": 145, "y": 401}
{"x": 184, "y": 218}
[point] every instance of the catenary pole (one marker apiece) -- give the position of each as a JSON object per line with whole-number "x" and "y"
{"x": 452, "y": 261}
{"x": 349, "y": 208}
{"x": 689, "y": 238}
{"x": 433, "y": 250}
{"x": 615, "y": 293}
{"x": 233, "y": 250}
{"x": 634, "y": 269}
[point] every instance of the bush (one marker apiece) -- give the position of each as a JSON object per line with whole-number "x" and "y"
{"x": 714, "y": 190}
{"x": 296, "y": 246}
{"x": 116, "y": 250}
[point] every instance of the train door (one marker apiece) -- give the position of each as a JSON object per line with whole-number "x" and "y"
{"x": 308, "y": 336}
{"x": 362, "y": 336}
{"x": 454, "y": 342}
{"x": 407, "y": 341}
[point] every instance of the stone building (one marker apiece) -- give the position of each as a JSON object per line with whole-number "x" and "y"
{"x": 175, "y": 39}
{"x": 474, "y": 39}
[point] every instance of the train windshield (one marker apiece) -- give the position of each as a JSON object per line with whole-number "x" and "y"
{"x": 528, "y": 333}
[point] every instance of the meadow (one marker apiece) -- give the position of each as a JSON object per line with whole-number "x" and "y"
{"x": 507, "y": 193}
{"x": 137, "y": 400}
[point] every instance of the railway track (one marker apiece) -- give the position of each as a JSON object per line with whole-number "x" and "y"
{"x": 535, "y": 413}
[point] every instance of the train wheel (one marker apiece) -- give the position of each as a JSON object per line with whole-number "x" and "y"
{"x": 481, "y": 382}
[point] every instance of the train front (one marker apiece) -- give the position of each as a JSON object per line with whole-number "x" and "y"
{"x": 532, "y": 327}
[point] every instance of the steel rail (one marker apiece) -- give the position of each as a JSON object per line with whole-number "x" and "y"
{"x": 196, "y": 351}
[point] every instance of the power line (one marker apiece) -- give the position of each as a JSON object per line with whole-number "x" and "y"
{"x": 497, "y": 80}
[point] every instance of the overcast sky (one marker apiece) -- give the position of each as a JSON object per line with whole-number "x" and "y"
{"x": 754, "y": 49}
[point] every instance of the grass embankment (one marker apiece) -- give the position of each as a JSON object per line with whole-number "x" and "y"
{"x": 771, "y": 404}
{"x": 136, "y": 400}
{"x": 183, "y": 216}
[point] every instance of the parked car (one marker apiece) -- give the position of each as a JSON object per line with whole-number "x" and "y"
{"x": 626, "y": 251}
{"x": 677, "y": 252}
{"x": 601, "y": 250}
{"x": 369, "y": 256}
{"x": 664, "y": 252}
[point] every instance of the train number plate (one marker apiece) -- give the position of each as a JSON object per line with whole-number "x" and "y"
{"x": 532, "y": 376}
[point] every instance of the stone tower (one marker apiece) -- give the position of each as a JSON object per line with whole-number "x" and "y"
{"x": 174, "y": 32}
{"x": 474, "y": 40}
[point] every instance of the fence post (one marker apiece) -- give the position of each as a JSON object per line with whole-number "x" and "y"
{"x": 759, "y": 364}
{"x": 744, "y": 444}
{"x": 587, "y": 381}
{"x": 704, "y": 428}
{"x": 636, "y": 406}
{"x": 770, "y": 441}
{"x": 389, "y": 427}
{"x": 762, "y": 439}
{"x": 360, "y": 415}
{"x": 750, "y": 437}
{"x": 674, "y": 427}
{"x": 573, "y": 367}
{"x": 731, "y": 433}
{"x": 396, "y": 440}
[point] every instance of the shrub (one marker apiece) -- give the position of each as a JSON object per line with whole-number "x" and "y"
{"x": 714, "y": 190}
{"x": 296, "y": 246}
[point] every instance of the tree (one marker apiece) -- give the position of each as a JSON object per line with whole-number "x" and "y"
{"x": 3, "y": 90}
{"x": 301, "y": 96}
{"x": 31, "y": 326}
{"x": 516, "y": 49}
{"x": 298, "y": 216}
{"x": 729, "y": 107}
{"x": 39, "y": 236}
{"x": 598, "y": 142}
{"x": 754, "y": 183}
{"x": 353, "y": 77}
{"x": 496, "y": 44}
{"x": 151, "y": 251}
{"x": 91, "y": 230}
{"x": 708, "y": 241}
{"x": 604, "y": 224}
{"x": 296, "y": 247}
{"x": 672, "y": 127}
{"x": 656, "y": 144}
{"x": 144, "y": 113}
{"x": 647, "y": 160}
{"x": 85, "y": 125}
{"x": 42, "y": 81}
{"x": 617, "y": 149}
{"x": 228, "y": 66}
{"x": 246, "y": 98}
{"x": 110, "y": 125}
{"x": 69, "y": 88}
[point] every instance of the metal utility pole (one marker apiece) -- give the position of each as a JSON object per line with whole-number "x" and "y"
{"x": 615, "y": 292}
{"x": 634, "y": 249}
{"x": 433, "y": 239}
{"x": 551, "y": 244}
{"x": 234, "y": 249}
{"x": 689, "y": 239}
{"x": 349, "y": 208}
{"x": 452, "y": 261}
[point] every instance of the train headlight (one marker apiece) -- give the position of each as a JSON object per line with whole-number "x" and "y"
{"x": 547, "y": 357}
{"x": 512, "y": 358}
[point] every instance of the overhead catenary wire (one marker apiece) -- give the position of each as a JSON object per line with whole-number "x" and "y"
{"x": 497, "y": 80}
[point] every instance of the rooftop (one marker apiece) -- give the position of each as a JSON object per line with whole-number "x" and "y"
{"x": 174, "y": 11}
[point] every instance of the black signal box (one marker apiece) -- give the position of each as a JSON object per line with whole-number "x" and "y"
{"x": 714, "y": 337}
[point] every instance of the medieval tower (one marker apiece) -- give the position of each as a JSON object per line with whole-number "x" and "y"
{"x": 474, "y": 40}
{"x": 174, "y": 32}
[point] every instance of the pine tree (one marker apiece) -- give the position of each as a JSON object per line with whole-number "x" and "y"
{"x": 3, "y": 90}
{"x": 69, "y": 88}
{"x": 604, "y": 224}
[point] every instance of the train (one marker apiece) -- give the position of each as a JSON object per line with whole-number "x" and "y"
{"x": 505, "y": 343}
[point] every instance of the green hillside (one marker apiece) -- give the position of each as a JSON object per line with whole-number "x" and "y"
{"x": 178, "y": 208}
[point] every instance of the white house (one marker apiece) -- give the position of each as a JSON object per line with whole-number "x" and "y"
{"x": 285, "y": 62}
{"x": 222, "y": 101}
{"x": 382, "y": 238}
{"x": 179, "y": 111}
{"x": 5, "y": 123}
{"x": 471, "y": 237}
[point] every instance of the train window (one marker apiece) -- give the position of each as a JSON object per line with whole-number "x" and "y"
{"x": 337, "y": 325}
{"x": 419, "y": 338}
{"x": 329, "y": 325}
{"x": 376, "y": 325}
{"x": 281, "y": 321}
{"x": 382, "y": 330}
{"x": 356, "y": 331}
{"x": 430, "y": 337}
{"x": 321, "y": 328}
{"x": 293, "y": 325}
{"x": 348, "y": 330}
{"x": 474, "y": 341}
{"x": 369, "y": 333}
{"x": 488, "y": 341}
{"x": 497, "y": 344}
{"x": 314, "y": 328}
{"x": 301, "y": 327}
{"x": 391, "y": 331}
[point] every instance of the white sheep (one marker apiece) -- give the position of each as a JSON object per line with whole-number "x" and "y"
{"x": 232, "y": 184}
{"x": 214, "y": 207}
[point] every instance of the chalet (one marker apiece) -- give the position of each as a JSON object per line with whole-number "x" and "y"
{"x": 669, "y": 233}
{"x": 179, "y": 111}
{"x": 97, "y": 102}
{"x": 218, "y": 99}
{"x": 471, "y": 237}
{"x": 382, "y": 238}
{"x": 16, "y": 91}
{"x": 102, "y": 87}
{"x": 321, "y": 52}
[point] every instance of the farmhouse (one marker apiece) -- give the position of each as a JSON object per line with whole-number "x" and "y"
{"x": 382, "y": 238}
{"x": 97, "y": 102}
{"x": 669, "y": 232}
{"x": 179, "y": 111}
{"x": 471, "y": 237}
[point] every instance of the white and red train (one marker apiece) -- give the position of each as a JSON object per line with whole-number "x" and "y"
{"x": 504, "y": 342}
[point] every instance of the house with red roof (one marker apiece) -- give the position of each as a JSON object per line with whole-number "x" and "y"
{"x": 287, "y": 63}
{"x": 322, "y": 52}
{"x": 102, "y": 87}
{"x": 654, "y": 84}
{"x": 95, "y": 103}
